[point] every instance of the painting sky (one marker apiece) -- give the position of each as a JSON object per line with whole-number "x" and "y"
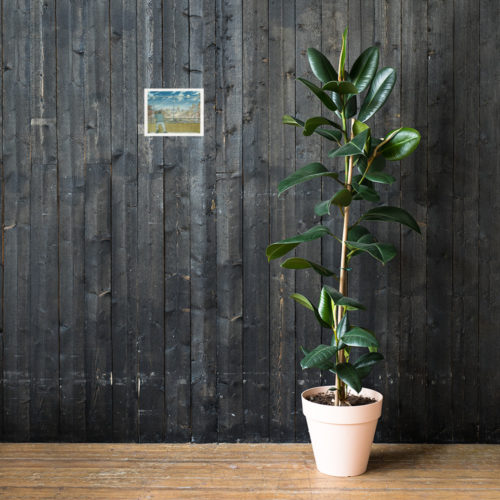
{"x": 162, "y": 99}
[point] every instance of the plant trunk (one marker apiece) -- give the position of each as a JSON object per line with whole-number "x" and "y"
{"x": 343, "y": 284}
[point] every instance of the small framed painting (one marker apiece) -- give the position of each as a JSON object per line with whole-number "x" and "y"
{"x": 173, "y": 112}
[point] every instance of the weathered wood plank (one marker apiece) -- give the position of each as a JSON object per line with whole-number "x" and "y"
{"x": 255, "y": 220}
{"x": 229, "y": 220}
{"x": 44, "y": 313}
{"x": 439, "y": 221}
{"x": 150, "y": 271}
{"x": 177, "y": 235}
{"x": 98, "y": 349}
{"x": 124, "y": 224}
{"x": 412, "y": 409}
{"x": 307, "y": 149}
{"x": 71, "y": 185}
{"x": 489, "y": 222}
{"x": 16, "y": 220}
{"x": 202, "y": 59}
{"x": 466, "y": 171}
{"x": 98, "y": 342}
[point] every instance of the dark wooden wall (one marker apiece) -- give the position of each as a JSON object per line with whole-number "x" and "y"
{"x": 137, "y": 302}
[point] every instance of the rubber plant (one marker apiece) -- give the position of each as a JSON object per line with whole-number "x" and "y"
{"x": 362, "y": 158}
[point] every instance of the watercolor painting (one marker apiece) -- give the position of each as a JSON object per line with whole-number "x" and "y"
{"x": 173, "y": 112}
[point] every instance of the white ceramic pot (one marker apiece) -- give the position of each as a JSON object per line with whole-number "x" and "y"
{"x": 342, "y": 436}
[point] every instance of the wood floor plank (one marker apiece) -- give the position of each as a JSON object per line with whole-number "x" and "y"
{"x": 256, "y": 471}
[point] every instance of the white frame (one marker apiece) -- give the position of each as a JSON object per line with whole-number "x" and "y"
{"x": 175, "y": 134}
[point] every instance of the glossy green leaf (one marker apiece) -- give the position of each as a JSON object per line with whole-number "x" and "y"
{"x": 376, "y": 171}
{"x": 381, "y": 87}
{"x": 322, "y": 96}
{"x": 364, "y": 68}
{"x": 349, "y": 375}
{"x": 304, "y": 301}
{"x": 321, "y": 66}
{"x": 359, "y": 337}
{"x": 290, "y": 120}
{"x": 342, "y": 56}
{"x": 280, "y": 248}
{"x": 359, "y": 127}
{"x": 401, "y": 144}
{"x": 357, "y": 232}
{"x": 392, "y": 214}
{"x": 383, "y": 252}
{"x": 325, "y": 307}
{"x": 318, "y": 356}
{"x": 331, "y": 135}
{"x": 340, "y": 87}
{"x": 298, "y": 263}
{"x": 351, "y": 107}
{"x": 306, "y": 173}
{"x": 343, "y": 326}
{"x": 327, "y": 365}
{"x": 354, "y": 147}
{"x": 366, "y": 362}
{"x": 365, "y": 192}
{"x": 342, "y": 300}
{"x": 316, "y": 121}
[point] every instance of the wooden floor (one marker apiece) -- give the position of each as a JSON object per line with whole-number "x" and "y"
{"x": 242, "y": 471}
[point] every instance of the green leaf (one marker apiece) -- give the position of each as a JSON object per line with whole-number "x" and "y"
{"x": 331, "y": 135}
{"x": 325, "y": 308}
{"x": 298, "y": 263}
{"x": 401, "y": 144}
{"x": 366, "y": 362}
{"x": 341, "y": 198}
{"x": 351, "y": 107}
{"x": 318, "y": 356}
{"x": 290, "y": 120}
{"x": 349, "y": 375}
{"x": 383, "y": 252}
{"x": 304, "y": 301}
{"x": 358, "y": 337}
{"x": 321, "y": 66}
{"x": 327, "y": 365}
{"x": 358, "y": 127}
{"x": 280, "y": 248}
{"x": 306, "y": 173}
{"x": 354, "y": 147}
{"x": 343, "y": 326}
{"x": 392, "y": 214}
{"x": 376, "y": 171}
{"x": 365, "y": 192}
{"x": 357, "y": 232}
{"x": 342, "y": 57}
{"x": 342, "y": 300}
{"x": 368, "y": 359}
{"x": 322, "y": 96}
{"x": 364, "y": 68}
{"x": 381, "y": 87}
{"x": 313, "y": 123}
{"x": 340, "y": 87}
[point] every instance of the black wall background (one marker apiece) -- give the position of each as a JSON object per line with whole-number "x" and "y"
{"x": 137, "y": 302}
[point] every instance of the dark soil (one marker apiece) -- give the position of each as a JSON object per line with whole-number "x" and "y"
{"x": 328, "y": 398}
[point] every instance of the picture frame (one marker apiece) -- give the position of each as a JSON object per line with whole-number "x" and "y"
{"x": 172, "y": 112}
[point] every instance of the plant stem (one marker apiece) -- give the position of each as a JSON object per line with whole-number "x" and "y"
{"x": 343, "y": 281}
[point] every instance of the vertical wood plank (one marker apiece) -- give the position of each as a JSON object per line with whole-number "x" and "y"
{"x": 281, "y": 164}
{"x": 440, "y": 208}
{"x": 44, "y": 320}
{"x": 124, "y": 223}
{"x": 177, "y": 234}
{"x": 412, "y": 364}
{"x": 16, "y": 225}
{"x": 489, "y": 257}
{"x": 229, "y": 220}
{"x": 98, "y": 351}
{"x": 71, "y": 185}
{"x": 255, "y": 220}
{"x": 150, "y": 275}
{"x": 465, "y": 221}
{"x": 203, "y": 230}
{"x": 307, "y": 150}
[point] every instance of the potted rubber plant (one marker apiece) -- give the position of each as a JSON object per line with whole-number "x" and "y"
{"x": 342, "y": 418}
